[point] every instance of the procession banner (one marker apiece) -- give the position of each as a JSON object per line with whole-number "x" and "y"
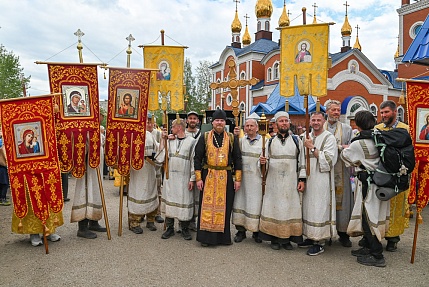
{"x": 78, "y": 120}
{"x": 418, "y": 120}
{"x": 31, "y": 152}
{"x": 167, "y": 83}
{"x": 304, "y": 59}
{"x": 126, "y": 118}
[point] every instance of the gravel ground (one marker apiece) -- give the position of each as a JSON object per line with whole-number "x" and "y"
{"x": 148, "y": 260}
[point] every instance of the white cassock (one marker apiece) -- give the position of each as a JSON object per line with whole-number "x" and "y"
{"x": 177, "y": 199}
{"x": 142, "y": 191}
{"x": 281, "y": 214}
{"x": 87, "y": 198}
{"x": 363, "y": 152}
{"x": 248, "y": 200}
{"x": 318, "y": 200}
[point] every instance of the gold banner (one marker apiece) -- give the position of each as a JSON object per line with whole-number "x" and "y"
{"x": 166, "y": 84}
{"x": 304, "y": 59}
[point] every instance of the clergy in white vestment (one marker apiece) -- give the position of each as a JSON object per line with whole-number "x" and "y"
{"x": 318, "y": 200}
{"x": 281, "y": 214}
{"x": 177, "y": 191}
{"x": 370, "y": 215}
{"x": 142, "y": 191}
{"x": 87, "y": 206}
{"x": 343, "y": 194}
{"x": 246, "y": 210}
{"x": 192, "y": 130}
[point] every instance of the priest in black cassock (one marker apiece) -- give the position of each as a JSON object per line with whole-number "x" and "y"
{"x": 217, "y": 156}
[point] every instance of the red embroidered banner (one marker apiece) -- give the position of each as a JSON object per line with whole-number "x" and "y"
{"x": 126, "y": 118}
{"x": 31, "y": 151}
{"x": 418, "y": 117}
{"x": 77, "y": 122}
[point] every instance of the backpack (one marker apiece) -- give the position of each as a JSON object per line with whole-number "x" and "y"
{"x": 397, "y": 160}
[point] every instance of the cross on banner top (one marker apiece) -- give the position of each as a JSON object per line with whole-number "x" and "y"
{"x": 233, "y": 83}
{"x": 79, "y": 34}
{"x": 130, "y": 38}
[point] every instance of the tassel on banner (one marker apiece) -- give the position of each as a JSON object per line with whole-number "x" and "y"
{"x": 46, "y": 230}
{"x": 419, "y": 219}
{"x": 20, "y": 226}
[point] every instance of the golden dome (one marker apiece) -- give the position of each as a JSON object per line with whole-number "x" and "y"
{"x": 357, "y": 44}
{"x": 284, "y": 18}
{"x": 264, "y": 9}
{"x": 346, "y": 30}
{"x": 397, "y": 52}
{"x": 236, "y": 24}
{"x": 246, "y": 37}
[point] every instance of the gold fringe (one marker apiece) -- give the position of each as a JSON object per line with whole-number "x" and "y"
{"x": 407, "y": 214}
{"x": 419, "y": 219}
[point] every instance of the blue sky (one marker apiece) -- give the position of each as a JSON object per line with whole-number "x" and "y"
{"x": 38, "y": 30}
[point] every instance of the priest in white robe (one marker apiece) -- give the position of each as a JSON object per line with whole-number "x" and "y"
{"x": 177, "y": 192}
{"x": 370, "y": 215}
{"x": 248, "y": 200}
{"x": 281, "y": 214}
{"x": 318, "y": 201}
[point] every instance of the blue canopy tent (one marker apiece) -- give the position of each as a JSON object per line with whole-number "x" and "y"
{"x": 276, "y": 103}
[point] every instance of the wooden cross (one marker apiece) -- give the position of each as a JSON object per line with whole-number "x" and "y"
{"x": 233, "y": 84}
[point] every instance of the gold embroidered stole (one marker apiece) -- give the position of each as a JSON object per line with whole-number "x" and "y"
{"x": 213, "y": 205}
{"x": 338, "y": 168}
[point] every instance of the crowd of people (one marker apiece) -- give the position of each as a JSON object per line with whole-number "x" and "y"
{"x": 215, "y": 179}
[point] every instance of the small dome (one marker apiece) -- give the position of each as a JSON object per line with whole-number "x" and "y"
{"x": 357, "y": 44}
{"x": 284, "y": 18}
{"x": 397, "y": 52}
{"x": 246, "y": 37}
{"x": 236, "y": 24}
{"x": 264, "y": 8}
{"x": 346, "y": 30}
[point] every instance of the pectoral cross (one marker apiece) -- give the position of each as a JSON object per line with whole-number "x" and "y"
{"x": 233, "y": 84}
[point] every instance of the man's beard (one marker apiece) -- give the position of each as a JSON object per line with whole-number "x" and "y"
{"x": 388, "y": 121}
{"x": 332, "y": 119}
{"x": 283, "y": 131}
{"x": 192, "y": 125}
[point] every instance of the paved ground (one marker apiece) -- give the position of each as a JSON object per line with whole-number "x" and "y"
{"x": 148, "y": 260}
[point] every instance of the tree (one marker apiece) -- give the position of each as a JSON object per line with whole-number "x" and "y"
{"x": 200, "y": 98}
{"x": 190, "y": 85}
{"x": 12, "y": 77}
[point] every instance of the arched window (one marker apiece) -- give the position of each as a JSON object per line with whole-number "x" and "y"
{"x": 269, "y": 74}
{"x": 259, "y": 25}
{"x": 276, "y": 71}
{"x": 401, "y": 114}
{"x": 237, "y": 39}
{"x": 373, "y": 109}
{"x": 267, "y": 25}
{"x": 229, "y": 99}
{"x": 243, "y": 76}
{"x": 242, "y": 106}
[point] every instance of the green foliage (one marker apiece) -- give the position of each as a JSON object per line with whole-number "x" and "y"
{"x": 11, "y": 75}
{"x": 198, "y": 90}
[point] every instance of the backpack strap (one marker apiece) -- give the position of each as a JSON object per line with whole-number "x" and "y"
{"x": 295, "y": 140}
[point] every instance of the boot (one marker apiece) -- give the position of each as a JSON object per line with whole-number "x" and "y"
{"x": 168, "y": 233}
{"x": 95, "y": 226}
{"x": 151, "y": 226}
{"x": 83, "y": 230}
{"x": 186, "y": 234}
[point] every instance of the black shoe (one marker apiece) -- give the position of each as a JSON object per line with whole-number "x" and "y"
{"x": 255, "y": 237}
{"x": 66, "y": 199}
{"x": 86, "y": 234}
{"x": 239, "y": 236}
{"x": 370, "y": 260}
{"x": 168, "y": 233}
{"x": 186, "y": 234}
{"x": 193, "y": 226}
{"x": 151, "y": 226}
{"x": 306, "y": 243}
{"x": 362, "y": 242}
{"x": 137, "y": 230}
{"x": 275, "y": 246}
{"x": 287, "y": 246}
{"x": 95, "y": 226}
{"x": 159, "y": 219}
{"x": 361, "y": 252}
{"x": 391, "y": 246}
{"x": 345, "y": 241}
{"x": 204, "y": 245}
{"x": 316, "y": 249}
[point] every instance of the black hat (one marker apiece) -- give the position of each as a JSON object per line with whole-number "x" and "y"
{"x": 219, "y": 115}
{"x": 192, "y": 113}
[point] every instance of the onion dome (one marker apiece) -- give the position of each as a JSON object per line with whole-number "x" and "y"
{"x": 346, "y": 30}
{"x": 397, "y": 52}
{"x": 236, "y": 24}
{"x": 284, "y": 18}
{"x": 357, "y": 44}
{"x": 264, "y": 8}
{"x": 246, "y": 37}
